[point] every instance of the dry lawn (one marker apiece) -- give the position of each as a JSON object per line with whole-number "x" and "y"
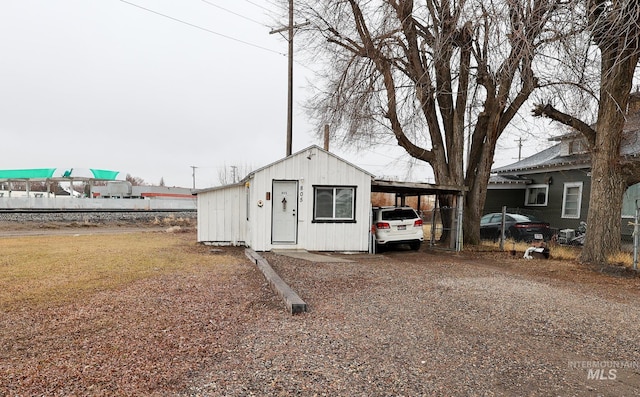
{"x": 43, "y": 271}
{"x": 113, "y": 314}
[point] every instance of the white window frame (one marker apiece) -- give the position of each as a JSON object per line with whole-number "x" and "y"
{"x": 629, "y": 201}
{"x": 567, "y": 186}
{"x": 334, "y": 217}
{"x": 546, "y": 195}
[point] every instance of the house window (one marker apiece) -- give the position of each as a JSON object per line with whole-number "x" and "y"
{"x": 334, "y": 203}
{"x": 537, "y": 195}
{"x": 629, "y": 201}
{"x": 572, "y": 200}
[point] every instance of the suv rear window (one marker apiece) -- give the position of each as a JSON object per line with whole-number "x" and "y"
{"x": 398, "y": 214}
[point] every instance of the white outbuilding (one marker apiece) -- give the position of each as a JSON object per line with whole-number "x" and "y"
{"x": 311, "y": 200}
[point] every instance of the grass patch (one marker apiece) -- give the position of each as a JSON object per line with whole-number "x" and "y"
{"x": 622, "y": 258}
{"x": 559, "y": 252}
{"x": 49, "y": 270}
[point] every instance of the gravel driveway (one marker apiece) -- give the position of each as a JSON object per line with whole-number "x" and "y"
{"x": 436, "y": 323}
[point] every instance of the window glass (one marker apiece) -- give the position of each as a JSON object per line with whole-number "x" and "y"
{"x": 344, "y": 203}
{"x": 629, "y": 200}
{"x": 334, "y": 203}
{"x": 572, "y": 200}
{"x": 497, "y": 218}
{"x": 324, "y": 203}
{"x": 537, "y": 195}
{"x": 398, "y": 214}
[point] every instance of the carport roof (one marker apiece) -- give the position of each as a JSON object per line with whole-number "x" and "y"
{"x": 414, "y": 188}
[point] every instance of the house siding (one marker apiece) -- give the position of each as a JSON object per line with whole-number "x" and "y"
{"x": 221, "y": 216}
{"x": 499, "y": 197}
{"x": 223, "y": 212}
{"x": 323, "y": 169}
{"x": 514, "y": 199}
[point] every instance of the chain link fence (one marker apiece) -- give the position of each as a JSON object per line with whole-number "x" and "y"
{"x": 629, "y": 238}
{"x": 440, "y": 227}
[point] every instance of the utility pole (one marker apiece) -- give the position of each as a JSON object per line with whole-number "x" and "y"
{"x": 233, "y": 173}
{"x": 290, "y": 29}
{"x": 519, "y": 148}
{"x": 193, "y": 175}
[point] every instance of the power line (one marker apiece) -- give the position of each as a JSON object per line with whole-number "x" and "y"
{"x": 202, "y": 28}
{"x": 260, "y": 6}
{"x": 234, "y": 13}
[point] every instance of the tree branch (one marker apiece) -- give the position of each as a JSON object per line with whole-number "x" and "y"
{"x": 549, "y": 111}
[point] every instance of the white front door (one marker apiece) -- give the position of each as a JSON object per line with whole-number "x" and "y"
{"x": 284, "y": 220}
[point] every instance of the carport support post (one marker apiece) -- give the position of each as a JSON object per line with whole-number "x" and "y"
{"x": 502, "y": 236}
{"x": 459, "y": 233}
{"x": 636, "y": 229}
{"x": 433, "y": 223}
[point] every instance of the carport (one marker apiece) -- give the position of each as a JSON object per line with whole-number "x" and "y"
{"x": 402, "y": 190}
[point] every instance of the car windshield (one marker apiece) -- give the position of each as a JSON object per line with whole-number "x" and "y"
{"x": 398, "y": 214}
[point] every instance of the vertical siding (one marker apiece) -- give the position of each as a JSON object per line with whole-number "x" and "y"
{"x": 222, "y": 215}
{"x": 321, "y": 169}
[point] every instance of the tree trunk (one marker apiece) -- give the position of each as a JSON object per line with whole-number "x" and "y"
{"x": 607, "y": 181}
{"x": 605, "y": 207}
{"x": 474, "y": 201}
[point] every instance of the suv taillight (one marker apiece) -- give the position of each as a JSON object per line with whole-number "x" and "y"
{"x": 418, "y": 223}
{"x": 383, "y": 225}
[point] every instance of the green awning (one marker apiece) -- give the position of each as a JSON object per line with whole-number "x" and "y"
{"x": 48, "y": 173}
{"x": 35, "y": 173}
{"x": 104, "y": 174}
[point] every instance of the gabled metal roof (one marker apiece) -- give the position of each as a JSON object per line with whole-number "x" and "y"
{"x": 549, "y": 158}
{"x": 509, "y": 180}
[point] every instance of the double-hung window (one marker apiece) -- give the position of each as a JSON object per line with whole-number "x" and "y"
{"x": 572, "y": 200}
{"x": 334, "y": 203}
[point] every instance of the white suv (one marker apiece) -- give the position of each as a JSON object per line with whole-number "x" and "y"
{"x": 397, "y": 225}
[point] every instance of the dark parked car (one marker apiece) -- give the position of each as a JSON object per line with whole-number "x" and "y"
{"x": 517, "y": 226}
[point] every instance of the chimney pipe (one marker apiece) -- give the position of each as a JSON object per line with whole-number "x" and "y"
{"x": 326, "y": 137}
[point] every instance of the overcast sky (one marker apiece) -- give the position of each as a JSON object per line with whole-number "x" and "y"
{"x": 151, "y": 92}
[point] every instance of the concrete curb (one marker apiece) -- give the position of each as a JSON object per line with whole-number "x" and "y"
{"x": 291, "y": 299}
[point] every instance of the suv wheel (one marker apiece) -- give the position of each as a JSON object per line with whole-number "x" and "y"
{"x": 415, "y": 245}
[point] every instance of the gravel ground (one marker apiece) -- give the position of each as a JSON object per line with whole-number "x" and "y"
{"x": 405, "y": 323}
{"x": 422, "y": 324}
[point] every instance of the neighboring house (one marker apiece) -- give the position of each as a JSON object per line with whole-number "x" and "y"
{"x": 311, "y": 200}
{"x": 554, "y": 184}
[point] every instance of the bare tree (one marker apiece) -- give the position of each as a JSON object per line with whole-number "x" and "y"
{"x": 615, "y": 30}
{"x": 134, "y": 180}
{"x": 233, "y": 173}
{"x": 425, "y": 75}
